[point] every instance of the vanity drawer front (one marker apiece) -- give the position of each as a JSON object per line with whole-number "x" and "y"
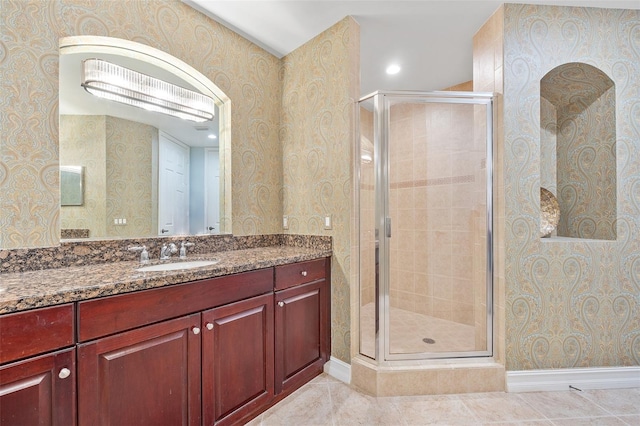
{"x": 113, "y": 314}
{"x": 299, "y": 273}
{"x": 29, "y": 333}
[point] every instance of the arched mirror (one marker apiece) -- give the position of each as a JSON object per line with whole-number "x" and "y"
{"x": 143, "y": 171}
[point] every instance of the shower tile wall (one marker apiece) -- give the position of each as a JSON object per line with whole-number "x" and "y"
{"x": 487, "y": 77}
{"x": 367, "y": 209}
{"x": 437, "y": 204}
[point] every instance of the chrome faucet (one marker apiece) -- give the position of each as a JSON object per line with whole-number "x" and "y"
{"x": 167, "y": 250}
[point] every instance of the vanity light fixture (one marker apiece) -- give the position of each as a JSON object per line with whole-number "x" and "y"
{"x": 120, "y": 84}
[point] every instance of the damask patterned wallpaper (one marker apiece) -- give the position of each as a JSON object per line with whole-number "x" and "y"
{"x": 569, "y": 303}
{"x": 577, "y": 115}
{"x": 30, "y": 31}
{"x": 129, "y": 191}
{"x": 321, "y": 87}
{"x": 82, "y": 143}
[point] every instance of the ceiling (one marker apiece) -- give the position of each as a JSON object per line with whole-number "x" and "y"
{"x": 431, "y": 40}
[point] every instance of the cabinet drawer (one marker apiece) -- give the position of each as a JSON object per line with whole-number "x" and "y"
{"x": 110, "y": 315}
{"x": 300, "y": 273}
{"x": 29, "y": 333}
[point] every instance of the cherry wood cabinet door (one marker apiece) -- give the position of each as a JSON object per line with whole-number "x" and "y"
{"x": 237, "y": 360}
{"x": 146, "y": 376}
{"x": 39, "y": 391}
{"x": 301, "y": 327}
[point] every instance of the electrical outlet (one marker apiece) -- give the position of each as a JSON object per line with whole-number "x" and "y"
{"x": 285, "y": 222}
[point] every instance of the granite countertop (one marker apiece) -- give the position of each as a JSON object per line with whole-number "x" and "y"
{"x": 26, "y": 290}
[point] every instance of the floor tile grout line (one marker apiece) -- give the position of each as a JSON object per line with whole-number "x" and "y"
{"x": 544, "y": 416}
{"x": 584, "y": 395}
{"x": 331, "y": 408}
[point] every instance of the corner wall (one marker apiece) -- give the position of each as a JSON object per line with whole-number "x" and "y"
{"x": 320, "y": 88}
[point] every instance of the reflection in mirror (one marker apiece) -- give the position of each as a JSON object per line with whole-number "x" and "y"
{"x": 71, "y": 178}
{"x": 145, "y": 173}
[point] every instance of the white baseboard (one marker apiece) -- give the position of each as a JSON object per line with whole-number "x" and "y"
{"x": 338, "y": 369}
{"x": 581, "y": 378}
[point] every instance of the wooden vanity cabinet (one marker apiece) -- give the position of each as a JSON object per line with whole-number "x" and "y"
{"x": 38, "y": 376}
{"x": 211, "y": 352}
{"x": 302, "y": 323}
{"x": 146, "y": 376}
{"x": 237, "y": 360}
{"x": 170, "y": 356}
{"x": 39, "y": 391}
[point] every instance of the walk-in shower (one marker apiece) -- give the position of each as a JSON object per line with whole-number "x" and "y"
{"x": 425, "y": 225}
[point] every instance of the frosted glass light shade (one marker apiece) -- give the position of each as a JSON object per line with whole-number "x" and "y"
{"x": 120, "y": 84}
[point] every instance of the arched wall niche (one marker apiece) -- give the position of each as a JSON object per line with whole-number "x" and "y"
{"x": 578, "y": 149}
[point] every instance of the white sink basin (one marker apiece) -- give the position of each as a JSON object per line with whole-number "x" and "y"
{"x": 174, "y": 266}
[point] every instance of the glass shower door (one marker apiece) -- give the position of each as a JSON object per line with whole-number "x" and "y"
{"x": 425, "y": 219}
{"x": 437, "y": 205}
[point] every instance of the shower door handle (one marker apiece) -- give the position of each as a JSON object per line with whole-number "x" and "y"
{"x": 387, "y": 226}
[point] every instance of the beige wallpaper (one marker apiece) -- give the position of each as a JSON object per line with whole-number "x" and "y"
{"x": 321, "y": 86}
{"x": 577, "y": 120}
{"x": 569, "y": 303}
{"x": 82, "y": 143}
{"x": 29, "y": 214}
{"x": 129, "y": 192}
{"x": 117, "y": 156}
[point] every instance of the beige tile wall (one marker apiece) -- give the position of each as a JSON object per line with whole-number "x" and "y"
{"x": 487, "y": 77}
{"x": 437, "y": 205}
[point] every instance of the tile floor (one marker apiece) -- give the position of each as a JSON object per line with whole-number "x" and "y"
{"x": 326, "y": 401}
{"x": 407, "y": 329}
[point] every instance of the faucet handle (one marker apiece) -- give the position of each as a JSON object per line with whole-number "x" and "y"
{"x": 183, "y": 249}
{"x": 144, "y": 254}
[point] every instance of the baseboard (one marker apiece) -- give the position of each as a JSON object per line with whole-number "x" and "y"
{"x": 338, "y": 369}
{"x": 580, "y": 378}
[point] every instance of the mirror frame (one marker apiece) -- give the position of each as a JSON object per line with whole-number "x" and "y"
{"x": 182, "y": 70}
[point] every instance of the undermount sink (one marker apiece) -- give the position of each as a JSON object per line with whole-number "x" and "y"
{"x": 174, "y": 266}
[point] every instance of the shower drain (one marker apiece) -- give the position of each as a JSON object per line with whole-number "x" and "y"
{"x": 428, "y": 340}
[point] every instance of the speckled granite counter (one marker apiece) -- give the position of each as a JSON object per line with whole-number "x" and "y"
{"x": 26, "y": 290}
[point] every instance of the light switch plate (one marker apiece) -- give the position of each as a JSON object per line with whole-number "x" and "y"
{"x": 327, "y": 222}
{"x": 285, "y": 222}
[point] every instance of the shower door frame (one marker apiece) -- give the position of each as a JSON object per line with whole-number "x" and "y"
{"x": 381, "y": 116}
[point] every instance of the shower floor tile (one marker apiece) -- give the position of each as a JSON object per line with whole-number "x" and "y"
{"x": 408, "y": 329}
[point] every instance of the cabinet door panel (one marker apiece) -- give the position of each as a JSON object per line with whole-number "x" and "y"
{"x": 148, "y": 376}
{"x": 33, "y": 393}
{"x": 237, "y": 359}
{"x": 300, "y": 329}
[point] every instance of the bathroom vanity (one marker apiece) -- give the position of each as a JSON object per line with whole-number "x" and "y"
{"x": 189, "y": 347}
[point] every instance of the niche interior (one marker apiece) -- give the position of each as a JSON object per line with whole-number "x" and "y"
{"x": 578, "y": 149}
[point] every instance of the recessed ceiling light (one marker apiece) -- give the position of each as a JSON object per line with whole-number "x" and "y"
{"x": 212, "y": 136}
{"x": 393, "y": 69}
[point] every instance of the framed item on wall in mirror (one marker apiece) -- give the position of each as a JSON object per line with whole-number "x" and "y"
{"x": 71, "y": 185}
